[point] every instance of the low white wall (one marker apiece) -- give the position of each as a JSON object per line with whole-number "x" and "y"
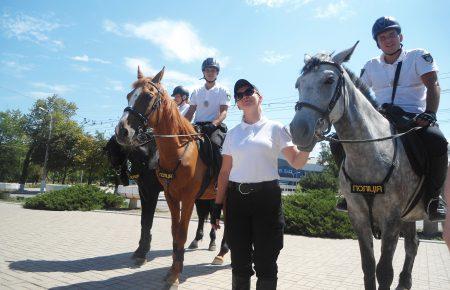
{"x": 9, "y": 186}
{"x": 130, "y": 191}
{"x": 52, "y": 187}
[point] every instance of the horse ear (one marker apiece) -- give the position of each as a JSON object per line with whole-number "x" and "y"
{"x": 345, "y": 55}
{"x": 157, "y": 79}
{"x": 140, "y": 75}
{"x": 307, "y": 58}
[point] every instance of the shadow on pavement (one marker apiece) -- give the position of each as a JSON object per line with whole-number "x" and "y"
{"x": 146, "y": 279}
{"x": 103, "y": 263}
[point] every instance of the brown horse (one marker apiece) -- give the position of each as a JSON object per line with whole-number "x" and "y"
{"x": 180, "y": 168}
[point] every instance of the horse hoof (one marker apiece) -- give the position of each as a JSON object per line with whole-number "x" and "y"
{"x": 218, "y": 260}
{"x": 172, "y": 281}
{"x": 212, "y": 247}
{"x": 193, "y": 245}
{"x": 140, "y": 261}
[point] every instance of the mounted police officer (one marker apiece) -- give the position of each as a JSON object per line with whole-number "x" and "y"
{"x": 210, "y": 104}
{"x": 181, "y": 97}
{"x": 405, "y": 82}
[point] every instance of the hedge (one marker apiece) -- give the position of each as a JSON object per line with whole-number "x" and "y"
{"x": 312, "y": 213}
{"x": 77, "y": 197}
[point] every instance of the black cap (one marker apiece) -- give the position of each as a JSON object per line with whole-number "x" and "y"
{"x": 242, "y": 83}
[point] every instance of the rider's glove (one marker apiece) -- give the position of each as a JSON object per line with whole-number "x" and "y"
{"x": 209, "y": 128}
{"x": 216, "y": 212}
{"x": 427, "y": 116}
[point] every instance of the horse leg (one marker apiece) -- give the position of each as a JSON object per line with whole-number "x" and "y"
{"x": 179, "y": 241}
{"x": 149, "y": 199}
{"x": 212, "y": 233}
{"x": 389, "y": 239}
{"x": 218, "y": 260}
{"x": 364, "y": 232}
{"x": 411, "y": 246}
{"x": 202, "y": 215}
{"x": 174, "y": 207}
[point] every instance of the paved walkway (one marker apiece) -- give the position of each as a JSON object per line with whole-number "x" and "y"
{"x": 91, "y": 250}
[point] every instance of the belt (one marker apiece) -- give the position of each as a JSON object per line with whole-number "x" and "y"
{"x": 246, "y": 188}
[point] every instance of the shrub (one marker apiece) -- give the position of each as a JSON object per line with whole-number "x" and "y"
{"x": 312, "y": 213}
{"x": 77, "y": 197}
{"x": 319, "y": 180}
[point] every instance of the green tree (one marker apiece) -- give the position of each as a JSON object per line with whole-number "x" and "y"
{"x": 37, "y": 129}
{"x": 13, "y": 144}
{"x": 328, "y": 178}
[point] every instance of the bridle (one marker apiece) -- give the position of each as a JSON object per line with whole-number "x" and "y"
{"x": 325, "y": 114}
{"x": 338, "y": 92}
{"x": 144, "y": 133}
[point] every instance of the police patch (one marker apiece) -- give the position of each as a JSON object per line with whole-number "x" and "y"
{"x": 428, "y": 58}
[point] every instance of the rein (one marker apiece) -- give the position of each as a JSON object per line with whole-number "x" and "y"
{"x": 325, "y": 114}
{"x": 331, "y": 139}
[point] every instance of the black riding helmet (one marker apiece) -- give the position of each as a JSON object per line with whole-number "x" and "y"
{"x": 184, "y": 93}
{"x": 385, "y": 23}
{"x": 210, "y": 62}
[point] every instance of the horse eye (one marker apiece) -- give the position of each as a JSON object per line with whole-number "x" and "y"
{"x": 329, "y": 80}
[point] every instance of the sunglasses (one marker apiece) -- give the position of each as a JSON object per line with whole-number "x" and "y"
{"x": 248, "y": 92}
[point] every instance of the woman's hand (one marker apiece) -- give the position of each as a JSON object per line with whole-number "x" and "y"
{"x": 215, "y": 215}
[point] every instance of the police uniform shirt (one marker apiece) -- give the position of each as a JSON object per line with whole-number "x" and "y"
{"x": 254, "y": 149}
{"x": 208, "y": 102}
{"x": 411, "y": 92}
{"x": 183, "y": 109}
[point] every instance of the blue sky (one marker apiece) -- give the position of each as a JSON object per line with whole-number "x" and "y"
{"x": 87, "y": 51}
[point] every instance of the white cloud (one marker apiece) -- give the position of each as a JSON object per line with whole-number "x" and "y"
{"x": 273, "y": 57}
{"x": 48, "y": 89}
{"x": 15, "y": 67}
{"x": 176, "y": 39}
{"x": 81, "y": 68}
{"x": 338, "y": 9}
{"x": 277, "y": 3}
{"x": 86, "y": 58}
{"x": 28, "y": 28}
{"x": 171, "y": 78}
{"x": 116, "y": 86}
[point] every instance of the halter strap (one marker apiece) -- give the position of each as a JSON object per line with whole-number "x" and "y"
{"x": 338, "y": 92}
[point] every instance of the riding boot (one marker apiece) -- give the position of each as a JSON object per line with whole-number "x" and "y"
{"x": 435, "y": 206}
{"x": 240, "y": 283}
{"x": 264, "y": 284}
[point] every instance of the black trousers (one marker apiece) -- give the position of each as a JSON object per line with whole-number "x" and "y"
{"x": 255, "y": 226}
{"x": 217, "y": 138}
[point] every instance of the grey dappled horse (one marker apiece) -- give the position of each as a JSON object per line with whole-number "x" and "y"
{"x": 329, "y": 94}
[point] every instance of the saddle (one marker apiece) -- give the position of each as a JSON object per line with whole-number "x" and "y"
{"x": 209, "y": 151}
{"x": 414, "y": 148}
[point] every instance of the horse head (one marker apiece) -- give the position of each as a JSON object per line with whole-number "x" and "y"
{"x": 320, "y": 86}
{"x": 140, "y": 114}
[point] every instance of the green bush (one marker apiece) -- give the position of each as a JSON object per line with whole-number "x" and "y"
{"x": 312, "y": 213}
{"x": 318, "y": 180}
{"x": 77, "y": 197}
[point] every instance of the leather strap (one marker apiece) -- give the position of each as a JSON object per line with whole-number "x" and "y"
{"x": 396, "y": 77}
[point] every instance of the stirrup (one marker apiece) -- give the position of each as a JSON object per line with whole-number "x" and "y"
{"x": 436, "y": 213}
{"x": 342, "y": 205}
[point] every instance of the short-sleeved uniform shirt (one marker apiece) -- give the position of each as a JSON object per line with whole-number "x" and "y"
{"x": 208, "y": 102}
{"x": 411, "y": 92}
{"x": 183, "y": 109}
{"x": 254, "y": 149}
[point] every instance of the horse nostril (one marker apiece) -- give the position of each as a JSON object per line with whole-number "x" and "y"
{"x": 123, "y": 132}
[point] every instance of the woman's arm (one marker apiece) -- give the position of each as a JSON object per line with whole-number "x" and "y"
{"x": 222, "y": 185}
{"x": 294, "y": 157}
{"x": 222, "y": 181}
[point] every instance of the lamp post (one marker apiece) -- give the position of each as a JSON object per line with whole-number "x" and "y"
{"x": 44, "y": 169}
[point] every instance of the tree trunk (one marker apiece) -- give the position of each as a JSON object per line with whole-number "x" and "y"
{"x": 63, "y": 181}
{"x": 25, "y": 167}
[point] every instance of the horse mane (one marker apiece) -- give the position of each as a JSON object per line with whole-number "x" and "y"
{"x": 173, "y": 116}
{"x": 315, "y": 62}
